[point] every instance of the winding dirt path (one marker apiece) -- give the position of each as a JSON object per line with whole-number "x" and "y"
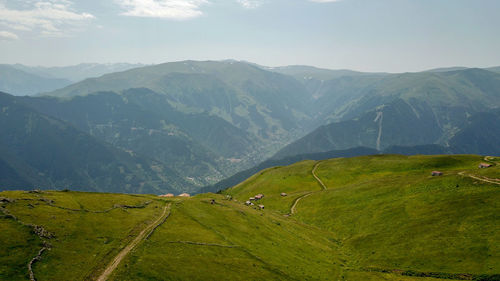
{"x": 146, "y": 232}
{"x": 323, "y": 186}
{"x": 316, "y": 177}
{"x": 485, "y": 179}
{"x": 482, "y": 178}
{"x": 292, "y": 210}
{"x": 489, "y": 159}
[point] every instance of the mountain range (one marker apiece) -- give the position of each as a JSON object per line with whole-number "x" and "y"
{"x": 204, "y": 121}
{"x": 21, "y": 80}
{"x": 18, "y": 82}
{"x": 401, "y": 109}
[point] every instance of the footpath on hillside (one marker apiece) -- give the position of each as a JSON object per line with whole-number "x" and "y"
{"x": 323, "y": 186}
{"x": 145, "y": 233}
{"x": 483, "y": 178}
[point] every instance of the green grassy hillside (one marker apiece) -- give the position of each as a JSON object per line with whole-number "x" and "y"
{"x": 243, "y": 175}
{"x": 365, "y": 218}
{"x": 82, "y": 231}
{"x": 199, "y": 240}
{"x": 388, "y": 212}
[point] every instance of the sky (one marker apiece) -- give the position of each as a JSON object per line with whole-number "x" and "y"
{"x": 364, "y": 35}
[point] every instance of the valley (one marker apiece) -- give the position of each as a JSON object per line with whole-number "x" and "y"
{"x": 198, "y": 126}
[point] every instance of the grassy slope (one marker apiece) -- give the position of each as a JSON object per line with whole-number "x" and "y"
{"x": 379, "y": 213}
{"x": 295, "y": 181}
{"x": 266, "y": 246}
{"x": 389, "y": 213}
{"x": 83, "y": 242}
{"x": 272, "y": 246}
{"x": 16, "y": 249}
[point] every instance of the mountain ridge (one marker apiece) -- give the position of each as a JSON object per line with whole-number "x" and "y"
{"x": 45, "y": 152}
{"x": 207, "y": 120}
{"x": 21, "y": 83}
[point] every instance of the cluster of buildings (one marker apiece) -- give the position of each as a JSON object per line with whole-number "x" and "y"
{"x": 255, "y": 198}
{"x": 251, "y": 200}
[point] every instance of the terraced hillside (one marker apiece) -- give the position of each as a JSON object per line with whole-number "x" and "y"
{"x": 365, "y": 218}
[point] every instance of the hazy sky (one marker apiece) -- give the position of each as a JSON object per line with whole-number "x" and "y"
{"x": 367, "y": 35}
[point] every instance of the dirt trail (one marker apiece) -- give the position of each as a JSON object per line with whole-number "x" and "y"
{"x": 313, "y": 172}
{"x": 143, "y": 235}
{"x": 490, "y": 159}
{"x": 316, "y": 177}
{"x": 292, "y": 210}
{"x": 485, "y": 179}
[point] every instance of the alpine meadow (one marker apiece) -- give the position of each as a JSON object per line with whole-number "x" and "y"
{"x": 249, "y": 140}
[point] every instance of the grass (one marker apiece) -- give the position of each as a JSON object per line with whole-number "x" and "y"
{"x": 389, "y": 213}
{"x": 266, "y": 246}
{"x": 84, "y": 241}
{"x": 16, "y": 250}
{"x": 381, "y": 218}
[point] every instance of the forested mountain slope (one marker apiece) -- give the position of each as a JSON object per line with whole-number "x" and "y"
{"x": 39, "y": 151}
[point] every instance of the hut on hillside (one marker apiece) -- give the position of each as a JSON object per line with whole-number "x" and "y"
{"x": 283, "y": 194}
{"x": 259, "y": 196}
{"x": 168, "y": 195}
{"x": 484, "y": 165}
{"x": 261, "y": 207}
{"x": 184, "y": 195}
{"x": 436, "y": 173}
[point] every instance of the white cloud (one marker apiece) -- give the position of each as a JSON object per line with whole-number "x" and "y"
{"x": 170, "y": 9}
{"x": 6, "y": 35}
{"x": 250, "y": 4}
{"x": 47, "y": 17}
